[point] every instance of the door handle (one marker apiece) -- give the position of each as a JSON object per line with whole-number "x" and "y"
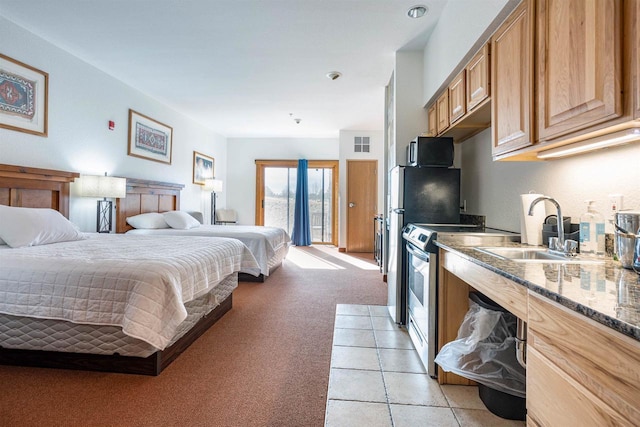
{"x": 352, "y": 205}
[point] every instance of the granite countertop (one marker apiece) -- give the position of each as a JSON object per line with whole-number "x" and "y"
{"x": 606, "y": 293}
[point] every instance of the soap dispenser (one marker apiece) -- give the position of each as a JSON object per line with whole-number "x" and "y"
{"x": 592, "y": 241}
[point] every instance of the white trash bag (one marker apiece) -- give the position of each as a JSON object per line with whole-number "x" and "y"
{"x": 485, "y": 349}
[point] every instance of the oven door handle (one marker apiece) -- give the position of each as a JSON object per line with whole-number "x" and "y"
{"x": 424, "y": 256}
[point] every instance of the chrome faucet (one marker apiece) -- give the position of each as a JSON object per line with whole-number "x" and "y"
{"x": 557, "y": 244}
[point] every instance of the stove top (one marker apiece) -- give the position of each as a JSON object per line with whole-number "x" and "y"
{"x": 424, "y": 235}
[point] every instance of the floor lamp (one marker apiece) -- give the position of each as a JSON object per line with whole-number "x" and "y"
{"x": 213, "y": 185}
{"x": 107, "y": 187}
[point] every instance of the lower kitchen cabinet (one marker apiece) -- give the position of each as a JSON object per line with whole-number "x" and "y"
{"x": 579, "y": 372}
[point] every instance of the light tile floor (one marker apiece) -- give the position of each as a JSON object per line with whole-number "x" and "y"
{"x": 377, "y": 379}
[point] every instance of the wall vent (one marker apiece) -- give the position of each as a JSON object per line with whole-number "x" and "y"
{"x": 361, "y": 144}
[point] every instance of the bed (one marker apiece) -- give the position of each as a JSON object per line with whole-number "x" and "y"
{"x": 112, "y": 303}
{"x": 269, "y": 245}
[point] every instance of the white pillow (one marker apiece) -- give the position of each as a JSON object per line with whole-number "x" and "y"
{"x": 147, "y": 220}
{"x": 180, "y": 220}
{"x": 35, "y": 226}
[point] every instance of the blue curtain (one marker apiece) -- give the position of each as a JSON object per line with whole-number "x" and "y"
{"x": 301, "y": 235}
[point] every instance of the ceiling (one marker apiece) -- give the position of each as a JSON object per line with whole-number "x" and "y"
{"x": 243, "y": 68}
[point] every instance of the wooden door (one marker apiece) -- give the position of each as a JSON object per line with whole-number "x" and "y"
{"x": 362, "y": 204}
{"x": 579, "y": 66}
{"x": 442, "y": 110}
{"x": 457, "y": 98}
{"x": 478, "y": 78}
{"x": 512, "y": 113}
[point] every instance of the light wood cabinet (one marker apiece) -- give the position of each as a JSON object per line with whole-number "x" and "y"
{"x": 579, "y": 372}
{"x": 512, "y": 79}
{"x": 442, "y": 109}
{"x": 477, "y": 77}
{"x": 432, "y": 118}
{"x": 579, "y": 66}
{"x": 634, "y": 10}
{"x": 457, "y": 98}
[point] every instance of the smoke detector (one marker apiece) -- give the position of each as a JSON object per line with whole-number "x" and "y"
{"x": 334, "y": 75}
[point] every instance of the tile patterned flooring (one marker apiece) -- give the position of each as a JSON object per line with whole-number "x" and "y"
{"x": 377, "y": 379}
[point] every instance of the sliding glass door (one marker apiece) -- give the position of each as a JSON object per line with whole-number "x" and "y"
{"x": 275, "y": 196}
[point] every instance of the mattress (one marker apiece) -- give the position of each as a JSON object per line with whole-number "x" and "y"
{"x": 269, "y": 245}
{"x": 138, "y": 284}
{"x": 26, "y": 333}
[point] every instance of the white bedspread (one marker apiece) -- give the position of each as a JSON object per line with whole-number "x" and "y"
{"x": 138, "y": 283}
{"x": 264, "y": 242}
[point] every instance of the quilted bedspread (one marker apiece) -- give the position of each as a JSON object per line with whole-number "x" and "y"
{"x": 139, "y": 283}
{"x": 264, "y": 242}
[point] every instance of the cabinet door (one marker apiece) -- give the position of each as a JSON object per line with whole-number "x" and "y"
{"x": 636, "y": 57}
{"x": 432, "y": 117}
{"x": 478, "y": 78}
{"x": 579, "y": 66}
{"x": 457, "y": 98}
{"x": 512, "y": 49}
{"x": 442, "y": 110}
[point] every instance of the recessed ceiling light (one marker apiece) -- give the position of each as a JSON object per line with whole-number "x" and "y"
{"x": 334, "y": 75}
{"x": 417, "y": 11}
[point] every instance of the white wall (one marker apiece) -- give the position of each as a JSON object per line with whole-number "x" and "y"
{"x": 460, "y": 26}
{"x": 493, "y": 188}
{"x": 82, "y": 99}
{"x": 240, "y": 184}
{"x": 410, "y": 117}
{"x": 376, "y": 139}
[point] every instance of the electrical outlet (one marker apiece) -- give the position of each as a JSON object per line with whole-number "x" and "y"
{"x": 615, "y": 203}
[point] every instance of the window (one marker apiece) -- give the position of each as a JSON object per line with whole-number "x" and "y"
{"x": 361, "y": 144}
{"x": 276, "y": 189}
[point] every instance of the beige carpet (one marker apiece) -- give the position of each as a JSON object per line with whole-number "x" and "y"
{"x": 265, "y": 363}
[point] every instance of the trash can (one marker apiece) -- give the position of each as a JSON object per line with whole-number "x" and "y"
{"x": 485, "y": 351}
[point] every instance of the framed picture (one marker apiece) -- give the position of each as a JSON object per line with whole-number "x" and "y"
{"x": 23, "y": 97}
{"x": 202, "y": 168}
{"x": 149, "y": 139}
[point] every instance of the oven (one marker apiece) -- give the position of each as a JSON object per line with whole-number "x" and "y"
{"x": 421, "y": 277}
{"x": 422, "y": 303}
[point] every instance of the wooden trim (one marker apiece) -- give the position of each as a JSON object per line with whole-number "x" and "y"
{"x": 151, "y": 365}
{"x": 261, "y": 165}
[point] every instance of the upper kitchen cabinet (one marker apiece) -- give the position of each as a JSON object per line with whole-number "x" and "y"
{"x": 478, "y": 78}
{"x": 564, "y": 73}
{"x": 512, "y": 77}
{"x": 442, "y": 112}
{"x": 634, "y": 12}
{"x": 467, "y": 101}
{"x": 457, "y": 98}
{"x": 432, "y": 119}
{"x": 579, "y": 66}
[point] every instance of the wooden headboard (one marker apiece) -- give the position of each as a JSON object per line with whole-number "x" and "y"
{"x": 35, "y": 188}
{"x": 145, "y": 196}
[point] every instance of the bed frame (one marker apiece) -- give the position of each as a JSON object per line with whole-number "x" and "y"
{"x": 144, "y": 196}
{"x": 44, "y": 188}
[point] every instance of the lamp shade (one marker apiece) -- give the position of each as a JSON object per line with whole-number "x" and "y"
{"x": 214, "y": 185}
{"x": 103, "y": 186}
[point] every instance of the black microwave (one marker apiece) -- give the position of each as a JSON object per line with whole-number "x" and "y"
{"x": 430, "y": 151}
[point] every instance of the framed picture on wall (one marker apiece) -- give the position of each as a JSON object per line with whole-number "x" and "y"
{"x": 202, "y": 168}
{"x": 23, "y": 97}
{"x": 149, "y": 139}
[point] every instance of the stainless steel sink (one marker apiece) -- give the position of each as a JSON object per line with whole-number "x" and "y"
{"x": 540, "y": 255}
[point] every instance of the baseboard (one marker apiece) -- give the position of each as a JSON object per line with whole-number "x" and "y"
{"x": 342, "y": 249}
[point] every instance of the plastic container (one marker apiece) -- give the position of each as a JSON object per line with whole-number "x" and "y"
{"x": 592, "y": 241}
{"x": 485, "y": 351}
